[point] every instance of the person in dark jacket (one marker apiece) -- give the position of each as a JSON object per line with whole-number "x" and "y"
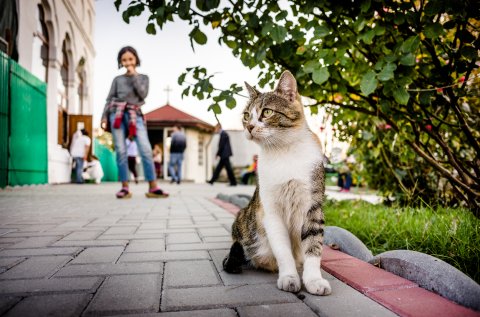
{"x": 224, "y": 152}
{"x": 177, "y": 147}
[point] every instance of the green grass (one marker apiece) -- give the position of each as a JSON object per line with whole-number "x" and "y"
{"x": 452, "y": 235}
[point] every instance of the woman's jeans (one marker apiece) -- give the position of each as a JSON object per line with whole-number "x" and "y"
{"x": 176, "y": 160}
{"x": 143, "y": 143}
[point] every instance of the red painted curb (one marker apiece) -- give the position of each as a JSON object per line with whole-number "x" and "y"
{"x": 399, "y": 295}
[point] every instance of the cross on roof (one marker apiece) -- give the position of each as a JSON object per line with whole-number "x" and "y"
{"x": 168, "y": 90}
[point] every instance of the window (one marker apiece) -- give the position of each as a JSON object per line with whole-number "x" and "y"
{"x": 40, "y": 47}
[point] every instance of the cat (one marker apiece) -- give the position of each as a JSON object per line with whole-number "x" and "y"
{"x": 281, "y": 229}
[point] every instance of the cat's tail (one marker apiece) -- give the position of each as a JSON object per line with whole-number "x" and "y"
{"x": 235, "y": 259}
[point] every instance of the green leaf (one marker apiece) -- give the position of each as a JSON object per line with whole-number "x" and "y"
{"x": 151, "y": 29}
{"x": 278, "y": 33}
{"x": 310, "y": 66}
{"x": 387, "y": 72}
{"x": 231, "y": 44}
{"x": 321, "y": 31}
{"x": 365, "y": 6}
{"x": 408, "y": 60}
{"x": 369, "y": 83}
{"x": 301, "y": 50}
{"x": 117, "y": 4}
{"x": 368, "y": 36}
{"x": 184, "y": 9}
{"x": 215, "y": 108}
{"x": 198, "y": 36}
{"x": 401, "y": 95}
{"x": 432, "y": 31}
{"x": 181, "y": 78}
{"x": 230, "y": 102}
{"x": 320, "y": 75}
{"x": 411, "y": 44}
{"x": 282, "y": 15}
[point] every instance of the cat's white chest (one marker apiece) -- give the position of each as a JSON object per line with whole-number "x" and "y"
{"x": 278, "y": 168}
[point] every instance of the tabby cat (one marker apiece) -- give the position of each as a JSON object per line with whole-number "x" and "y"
{"x": 281, "y": 229}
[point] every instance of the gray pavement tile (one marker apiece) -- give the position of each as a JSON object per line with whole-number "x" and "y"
{"x": 64, "y": 305}
{"x": 6, "y": 302}
{"x": 248, "y": 276}
{"x": 6, "y": 263}
{"x": 276, "y": 310}
{"x": 90, "y": 243}
{"x": 82, "y": 235}
{"x": 12, "y": 240}
{"x": 139, "y": 294}
{"x": 191, "y": 237}
{"x": 19, "y": 287}
{"x": 39, "y": 252}
{"x": 4, "y": 231}
{"x": 198, "y": 246}
{"x": 109, "y": 269}
{"x": 98, "y": 255}
{"x": 205, "y": 218}
{"x": 121, "y": 230}
{"x": 36, "y": 242}
{"x": 190, "y": 274}
{"x": 132, "y": 236}
{"x": 149, "y": 245}
{"x": 225, "y": 312}
{"x": 218, "y": 239}
{"x": 36, "y": 267}
{"x": 16, "y": 234}
{"x": 152, "y": 226}
{"x": 175, "y": 299}
{"x": 213, "y": 232}
{"x": 163, "y": 256}
{"x": 345, "y": 301}
{"x": 72, "y": 224}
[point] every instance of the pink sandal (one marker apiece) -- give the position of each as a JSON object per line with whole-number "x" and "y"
{"x": 156, "y": 193}
{"x": 123, "y": 193}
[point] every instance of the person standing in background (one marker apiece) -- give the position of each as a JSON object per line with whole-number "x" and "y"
{"x": 123, "y": 117}
{"x": 132, "y": 153}
{"x": 79, "y": 151}
{"x": 224, "y": 152}
{"x": 177, "y": 147}
{"x": 157, "y": 160}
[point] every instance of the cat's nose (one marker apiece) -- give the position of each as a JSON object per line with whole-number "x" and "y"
{"x": 250, "y": 127}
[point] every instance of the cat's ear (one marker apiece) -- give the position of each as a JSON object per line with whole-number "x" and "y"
{"x": 287, "y": 86}
{"x": 252, "y": 91}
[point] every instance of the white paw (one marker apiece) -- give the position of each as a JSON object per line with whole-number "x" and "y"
{"x": 319, "y": 286}
{"x": 289, "y": 283}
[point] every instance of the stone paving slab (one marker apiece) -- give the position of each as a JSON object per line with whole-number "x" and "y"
{"x": 22, "y": 287}
{"x": 39, "y": 252}
{"x": 65, "y": 305}
{"x": 346, "y": 302}
{"x": 224, "y": 296}
{"x": 276, "y": 310}
{"x": 132, "y": 293}
{"x": 163, "y": 256}
{"x": 98, "y": 255}
{"x": 37, "y": 267}
{"x": 109, "y": 269}
{"x": 190, "y": 274}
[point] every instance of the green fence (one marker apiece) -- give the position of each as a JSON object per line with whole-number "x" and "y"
{"x": 108, "y": 161}
{"x": 4, "y": 97}
{"x": 26, "y": 134}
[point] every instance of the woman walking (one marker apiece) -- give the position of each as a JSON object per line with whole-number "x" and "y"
{"x": 123, "y": 117}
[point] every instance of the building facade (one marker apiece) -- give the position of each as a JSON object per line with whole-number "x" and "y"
{"x": 54, "y": 42}
{"x": 197, "y": 163}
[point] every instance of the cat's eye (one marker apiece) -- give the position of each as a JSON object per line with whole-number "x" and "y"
{"x": 246, "y": 116}
{"x": 267, "y": 113}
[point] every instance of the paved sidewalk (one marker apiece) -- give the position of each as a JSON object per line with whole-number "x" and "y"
{"x": 75, "y": 250}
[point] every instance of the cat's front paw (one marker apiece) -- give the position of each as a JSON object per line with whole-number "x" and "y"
{"x": 289, "y": 283}
{"x": 318, "y": 286}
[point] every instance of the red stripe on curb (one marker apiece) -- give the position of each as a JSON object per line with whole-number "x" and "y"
{"x": 420, "y": 302}
{"x": 231, "y": 208}
{"x": 399, "y": 295}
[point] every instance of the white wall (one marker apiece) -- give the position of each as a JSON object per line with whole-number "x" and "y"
{"x": 75, "y": 18}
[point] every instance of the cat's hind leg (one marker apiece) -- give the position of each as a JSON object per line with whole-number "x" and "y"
{"x": 235, "y": 259}
{"x": 312, "y": 241}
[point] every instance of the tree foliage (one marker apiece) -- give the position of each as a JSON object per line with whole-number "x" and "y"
{"x": 398, "y": 77}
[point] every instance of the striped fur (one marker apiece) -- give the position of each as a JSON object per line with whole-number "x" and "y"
{"x": 281, "y": 229}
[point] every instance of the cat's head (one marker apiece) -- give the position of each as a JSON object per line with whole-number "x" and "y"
{"x": 271, "y": 119}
